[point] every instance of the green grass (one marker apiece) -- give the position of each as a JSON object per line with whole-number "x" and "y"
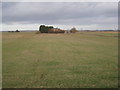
{"x": 0, "y": 60}
{"x": 59, "y": 60}
{"x": 111, "y": 34}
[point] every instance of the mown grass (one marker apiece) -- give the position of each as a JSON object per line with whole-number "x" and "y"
{"x": 0, "y": 60}
{"x": 111, "y": 34}
{"x": 59, "y": 60}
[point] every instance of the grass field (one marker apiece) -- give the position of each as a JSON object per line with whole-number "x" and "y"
{"x": 105, "y": 34}
{"x": 80, "y": 60}
{"x": 0, "y": 60}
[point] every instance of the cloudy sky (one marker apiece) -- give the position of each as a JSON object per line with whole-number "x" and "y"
{"x": 64, "y": 15}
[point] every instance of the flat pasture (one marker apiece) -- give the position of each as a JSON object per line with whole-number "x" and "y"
{"x": 78, "y": 60}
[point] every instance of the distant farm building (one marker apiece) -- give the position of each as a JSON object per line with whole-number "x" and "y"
{"x": 56, "y": 30}
{"x": 50, "y": 29}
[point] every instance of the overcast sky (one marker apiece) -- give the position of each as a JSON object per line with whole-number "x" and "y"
{"x": 64, "y": 15}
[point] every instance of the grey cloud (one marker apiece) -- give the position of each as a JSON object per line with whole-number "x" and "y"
{"x": 59, "y": 13}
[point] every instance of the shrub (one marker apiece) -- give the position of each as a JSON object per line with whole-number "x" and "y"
{"x": 73, "y": 30}
{"x": 17, "y": 31}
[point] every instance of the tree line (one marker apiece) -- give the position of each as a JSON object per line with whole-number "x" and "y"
{"x": 51, "y": 29}
{"x": 45, "y": 29}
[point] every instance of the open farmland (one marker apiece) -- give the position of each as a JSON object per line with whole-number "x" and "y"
{"x": 80, "y": 60}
